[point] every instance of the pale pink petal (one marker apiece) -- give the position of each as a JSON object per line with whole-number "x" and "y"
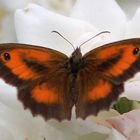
{"x": 128, "y": 124}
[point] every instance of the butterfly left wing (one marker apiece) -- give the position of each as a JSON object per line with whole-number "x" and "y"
{"x": 102, "y": 79}
{"x": 39, "y": 75}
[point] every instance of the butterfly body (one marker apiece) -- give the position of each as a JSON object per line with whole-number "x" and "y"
{"x": 49, "y": 83}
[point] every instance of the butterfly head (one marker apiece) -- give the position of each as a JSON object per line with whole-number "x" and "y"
{"x": 76, "y": 55}
{"x": 75, "y": 61}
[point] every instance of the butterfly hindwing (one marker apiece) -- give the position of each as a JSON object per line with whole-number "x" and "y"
{"x": 36, "y": 71}
{"x": 102, "y": 79}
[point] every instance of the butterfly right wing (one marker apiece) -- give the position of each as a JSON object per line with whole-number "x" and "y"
{"x": 40, "y": 77}
{"x": 102, "y": 79}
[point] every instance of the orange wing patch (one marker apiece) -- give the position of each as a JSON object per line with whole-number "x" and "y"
{"x": 17, "y": 65}
{"x": 101, "y": 90}
{"x": 107, "y": 52}
{"x": 42, "y": 56}
{"x": 125, "y": 62}
{"x": 42, "y": 94}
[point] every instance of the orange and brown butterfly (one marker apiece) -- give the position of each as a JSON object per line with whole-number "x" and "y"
{"x": 49, "y": 83}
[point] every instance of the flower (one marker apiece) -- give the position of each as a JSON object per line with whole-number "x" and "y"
{"x": 33, "y": 25}
{"x": 132, "y": 132}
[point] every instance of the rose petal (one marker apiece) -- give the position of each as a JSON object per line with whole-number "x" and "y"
{"x": 131, "y": 131}
{"x": 133, "y": 29}
{"x": 80, "y": 127}
{"x": 115, "y": 135}
{"x": 34, "y": 25}
{"x": 7, "y": 31}
{"x": 11, "y": 6}
{"x": 132, "y": 90}
{"x": 93, "y": 43}
{"x": 21, "y": 124}
{"x": 95, "y": 135}
{"x": 5, "y": 134}
{"x": 129, "y": 6}
{"x": 8, "y": 96}
{"x": 61, "y": 6}
{"x": 137, "y": 77}
{"x": 104, "y": 16}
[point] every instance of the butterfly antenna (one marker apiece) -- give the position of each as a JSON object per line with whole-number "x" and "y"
{"x": 64, "y": 38}
{"x": 93, "y": 37}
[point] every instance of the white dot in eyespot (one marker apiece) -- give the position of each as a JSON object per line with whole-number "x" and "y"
{"x": 135, "y": 51}
{"x": 6, "y": 56}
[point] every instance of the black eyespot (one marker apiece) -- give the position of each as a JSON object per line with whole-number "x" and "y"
{"x": 135, "y": 51}
{"x": 6, "y": 56}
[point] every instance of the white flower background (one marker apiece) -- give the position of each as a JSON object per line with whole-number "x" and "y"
{"x": 31, "y": 21}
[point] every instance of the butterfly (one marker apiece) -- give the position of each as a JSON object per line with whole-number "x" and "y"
{"x": 49, "y": 83}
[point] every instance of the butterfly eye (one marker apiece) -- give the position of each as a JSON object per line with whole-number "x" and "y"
{"x": 135, "y": 51}
{"x": 6, "y": 56}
